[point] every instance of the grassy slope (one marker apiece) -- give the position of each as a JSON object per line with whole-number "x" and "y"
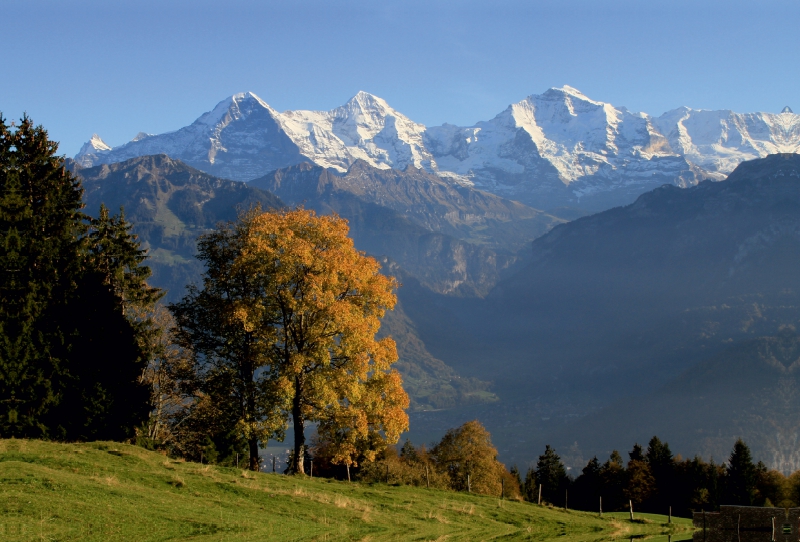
{"x": 111, "y": 491}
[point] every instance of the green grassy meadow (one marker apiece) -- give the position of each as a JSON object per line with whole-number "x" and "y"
{"x": 112, "y": 491}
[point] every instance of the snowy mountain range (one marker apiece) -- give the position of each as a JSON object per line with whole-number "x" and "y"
{"x": 556, "y": 149}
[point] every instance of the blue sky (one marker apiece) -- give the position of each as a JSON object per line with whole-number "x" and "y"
{"x": 117, "y": 68}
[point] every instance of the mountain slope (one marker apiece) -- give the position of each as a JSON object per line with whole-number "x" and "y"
{"x": 454, "y": 239}
{"x": 170, "y": 204}
{"x": 667, "y": 259}
{"x": 423, "y": 198}
{"x": 621, "y": 302}
{"x": 750, "y": 390}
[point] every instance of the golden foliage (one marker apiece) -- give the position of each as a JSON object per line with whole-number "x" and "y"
{"x": 322, "y": 301}
{"x": 467, "y": 451}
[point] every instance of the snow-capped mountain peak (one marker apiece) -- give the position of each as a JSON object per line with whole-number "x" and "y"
{"x": 547, "y": 150}
{"x": 91, "y": 151}
{"x": 567, "y": 90}
{"x": 366, "y": 101}
{"x": 365, "y": 128}
{"x": 236, "y": 107}
{"x": 98, "y": 144}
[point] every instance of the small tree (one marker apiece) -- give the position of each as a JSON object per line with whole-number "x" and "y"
{"x": 530, "y": 486}
{"x": 552, "y": 476}
{"x": 169, "y": 376}
{"x": 613, "y": 477}
{"x": 740, "y": 479}
{"x": 662, "y": 466}
{"x": 640, "y": 483}
{"x": 468, "y": 452}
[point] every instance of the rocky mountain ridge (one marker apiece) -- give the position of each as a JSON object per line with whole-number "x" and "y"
{"x": 559, "y": 148}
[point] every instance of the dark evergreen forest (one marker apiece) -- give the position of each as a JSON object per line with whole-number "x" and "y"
{"x": 73, "y": 300}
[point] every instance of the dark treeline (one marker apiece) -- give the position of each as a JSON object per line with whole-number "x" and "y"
{"x": 74, "y": 302}
{"x": 653, "y": 480}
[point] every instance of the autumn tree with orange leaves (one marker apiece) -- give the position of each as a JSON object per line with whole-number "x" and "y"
{"x": 290, "y": 318}
{"x": 323, "y": 301}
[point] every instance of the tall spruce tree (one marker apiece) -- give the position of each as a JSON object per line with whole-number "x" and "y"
{"x": 552, "y": 476}
{"x": 41, "y": 226}
{"x": 69, "y": 358}
{"x": 740, "y": 476}
{"x": 109, "y": 326}
{"x": 587, "y": 487}
{"x": 662, "y": 465}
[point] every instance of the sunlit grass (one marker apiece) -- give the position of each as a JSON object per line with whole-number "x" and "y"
{"x": 111, "y": 491}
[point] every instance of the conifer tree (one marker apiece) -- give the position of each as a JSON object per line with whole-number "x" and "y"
{"x": 529, "y": 486}
{"x": 41, "y": 226}
{"x": 70, "y": 361}
{"x": 613, "y": 476}
{"x": 109, "y": 326}
{"x": 740, "y": 476}
{"x": 588, "y": 487}
{"x": 515, "y": 474}
{"x": 552, "y": 476}
{"x": 662, "y": 466}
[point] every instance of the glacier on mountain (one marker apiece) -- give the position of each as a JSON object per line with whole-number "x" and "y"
{"x": 559, "y": 148}
{"x": 365, "y": 128}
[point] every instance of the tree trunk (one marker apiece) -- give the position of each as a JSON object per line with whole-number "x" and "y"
{"x": 299, "y": 427}
{"x": 253, "y": 446}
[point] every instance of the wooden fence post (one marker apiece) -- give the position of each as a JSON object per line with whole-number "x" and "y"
{"x": 601, "y": 506}
{"x": 566, "y": 499}
{"x": 311, "y": 469}
{"x": 540, "y": 494}
{"x": 670, "y": 514}
{"x": 630, "y": 504}
{"x": 502, "y": 488}
{"x": 469, "y": 484}
{"x": 704, "y": 523}
{"x": 427, "y": 479}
